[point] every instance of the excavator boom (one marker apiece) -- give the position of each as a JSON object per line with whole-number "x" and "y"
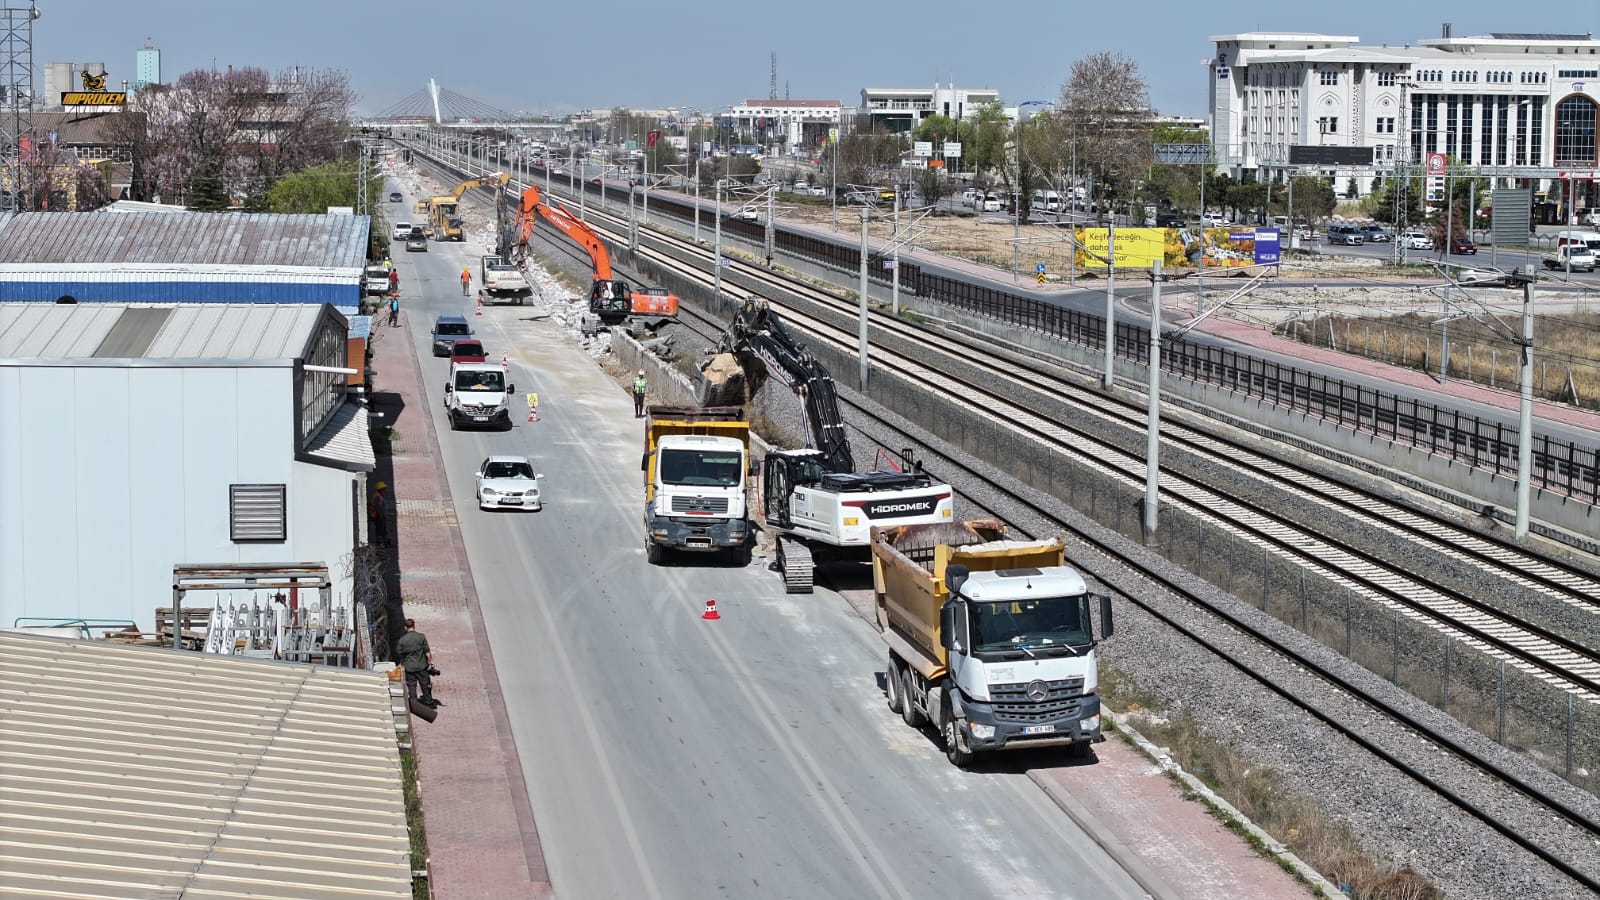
{"x": 612, "y": 299}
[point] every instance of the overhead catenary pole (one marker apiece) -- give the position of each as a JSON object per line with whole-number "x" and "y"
{"x": 1525, "y": 411}
{"x": 894, "y": 260}
{"x": 716, "y": 260}
{"x": 1152, "y": 445}
{"x": 1108, "y": 378}
{"x": 862, "y": 343}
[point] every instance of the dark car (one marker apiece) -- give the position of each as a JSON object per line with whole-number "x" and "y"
{"x": 394, "y": 197}
{"x": 446, "y": 331}
{"x": 1169, "y": 220}
{"x": 468, "y": 351}
{"x": 1463, "y": 246}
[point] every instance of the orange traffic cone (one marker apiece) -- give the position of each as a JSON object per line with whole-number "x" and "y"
{"x": 505, "y": 364}
{"x": 711, "y": 611}
{"x": 479, "y": 310}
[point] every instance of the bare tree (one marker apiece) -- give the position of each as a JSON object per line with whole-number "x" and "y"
{"x": 1105, "y": 112}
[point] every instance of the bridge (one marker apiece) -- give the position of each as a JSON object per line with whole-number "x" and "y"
{"x": 435, "y": 106}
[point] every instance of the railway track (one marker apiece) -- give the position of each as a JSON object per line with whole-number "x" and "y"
{"x": 1525, "y": 644}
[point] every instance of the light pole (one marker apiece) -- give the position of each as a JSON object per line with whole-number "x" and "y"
{"x": 1108, "y": 378}
{"x": 862, "y": 348}
{"x": 716, "y": 217}
{"x": 1525, "y": 407}
{"x": 1152, "y": 448}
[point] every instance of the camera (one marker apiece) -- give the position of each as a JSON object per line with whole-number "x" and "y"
{"x": 434, "y": 671}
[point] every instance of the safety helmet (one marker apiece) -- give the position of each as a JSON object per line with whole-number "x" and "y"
{"x": 641, "y": 373}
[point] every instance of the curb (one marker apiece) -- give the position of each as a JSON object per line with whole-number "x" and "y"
{"x": 1278, "y": 851}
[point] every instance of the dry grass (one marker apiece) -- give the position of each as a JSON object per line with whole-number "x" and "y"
{"x": 419, "y": 838}
{"x": 1262, "y": 795}
{"x": 1566, "y": 368}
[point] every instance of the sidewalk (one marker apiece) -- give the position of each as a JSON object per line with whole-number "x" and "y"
{"x": 482, "y": 840}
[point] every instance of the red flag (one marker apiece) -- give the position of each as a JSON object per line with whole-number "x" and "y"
{"x": 650, "y": 140}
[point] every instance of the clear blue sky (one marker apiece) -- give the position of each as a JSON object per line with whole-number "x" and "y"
{"x": 563, "y": 56}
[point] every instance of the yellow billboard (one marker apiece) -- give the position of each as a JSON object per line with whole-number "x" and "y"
{"x": 1139, "y": 248}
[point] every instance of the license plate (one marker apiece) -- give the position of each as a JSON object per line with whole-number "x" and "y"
{"x": 510, "y": 502}
{"x": 480, "y": 418}
{"x": 1038, "y": 729}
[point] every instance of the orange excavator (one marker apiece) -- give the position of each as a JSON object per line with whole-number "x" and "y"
{"x": 612, "y": 300}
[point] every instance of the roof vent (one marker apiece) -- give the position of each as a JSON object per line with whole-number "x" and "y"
{"x": 1017, "y": 573}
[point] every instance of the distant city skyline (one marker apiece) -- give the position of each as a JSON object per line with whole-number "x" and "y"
{"x": 564, "y": 60}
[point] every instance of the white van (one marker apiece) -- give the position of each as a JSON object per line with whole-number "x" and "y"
{"x": 986, "y": 202}
{"x": 1590, "y": 239}
{"x": 1047, "y": 201}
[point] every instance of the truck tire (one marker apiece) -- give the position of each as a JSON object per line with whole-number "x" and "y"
{"x": 654, "y": 553}
{"x": 959, "y": 756}
{"x": 908, "y": 703}
{"x": 892, "y": 689}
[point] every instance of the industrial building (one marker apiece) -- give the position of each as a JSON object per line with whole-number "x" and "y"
{"x": 135, "y": 438}
{"x": 183, "y": 257}
{"x": 1520, "y": 108}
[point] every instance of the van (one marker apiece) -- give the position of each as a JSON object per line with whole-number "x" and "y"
{"x": 1590, "y": 239}
{"x": 986, "y": 202}
{"x": 1349, "y": 235}
{"x": 1047, "y": 201}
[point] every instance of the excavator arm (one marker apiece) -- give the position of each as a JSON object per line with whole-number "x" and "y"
{"x": 613, "y": 299}
{"x": 764, "y": 347}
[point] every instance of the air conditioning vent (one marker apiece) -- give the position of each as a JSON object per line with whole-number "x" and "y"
{"x": 258, "y": 512}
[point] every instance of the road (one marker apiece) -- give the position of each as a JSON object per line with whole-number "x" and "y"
{"x": 667, "y": 756}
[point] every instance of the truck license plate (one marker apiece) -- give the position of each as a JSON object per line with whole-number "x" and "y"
{"x": 480, "y": 418}
{"x": 1038, "y": 729}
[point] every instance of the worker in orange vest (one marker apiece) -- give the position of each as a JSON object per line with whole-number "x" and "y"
{"x": 466, "y": 281}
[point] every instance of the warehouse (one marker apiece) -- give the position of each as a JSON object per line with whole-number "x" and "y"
{"x": 136, "y": 438}
{"x": 183, "y": 257}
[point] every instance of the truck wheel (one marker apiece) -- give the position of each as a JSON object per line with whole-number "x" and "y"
{"x": 954, "y": 750}
{"x": 653, "y": 553}
{"x": 891, "y": 686}
{"x": 908, "y": 702}
{"x": 1080, "y": 750}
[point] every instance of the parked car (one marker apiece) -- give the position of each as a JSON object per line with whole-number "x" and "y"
{"x": 1349, "y": 235}
{"x": 1214, "y": 220}
{"x": 1416, "y": 240}
{"x": 446, "y": 331}
{"x": 465, "y": 351}
{"x": 1463, "y": 246}
{"x": 508, "y": 482}
{"x": 1372, "y": 234}
{"x": 402, "y": 230}
{"x": 394, "y": 197}
{"x": 1484, "y": 277}
{"x": 375, "y": 280}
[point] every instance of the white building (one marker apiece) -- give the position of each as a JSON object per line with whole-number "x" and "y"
{"x": 137, "y": 437}
{"x": 789, "y": 123}
{"x": 901, "y": 109}
{"x": 1511, "y": 106}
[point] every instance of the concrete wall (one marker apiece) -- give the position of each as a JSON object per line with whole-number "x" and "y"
{"x": 109, "y": 476}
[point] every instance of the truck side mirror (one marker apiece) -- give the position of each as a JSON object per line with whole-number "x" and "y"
{"x": 954, "y": 578}
{"x": 447, "y": 387}
{"x": 511, "y": 389}
{"x": 948, "y": 619}
{"x": 644, "y": 462}
{"x": 1106, "y": 627}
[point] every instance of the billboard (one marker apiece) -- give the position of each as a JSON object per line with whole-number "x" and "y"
{"x": 1180, "y": 248}
{"x": 1314, "y": 155}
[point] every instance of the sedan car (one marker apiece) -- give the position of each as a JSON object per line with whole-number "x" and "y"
{"x": 1463, "y": 246}
{"x": 1372, "y": 234}
{"x": 394, "y": 197}
{"x": 1416, "y": 240}
{"x": 417, "y": 241}
{"x": 508, "y": 482}
{"x": 402, "y": 230}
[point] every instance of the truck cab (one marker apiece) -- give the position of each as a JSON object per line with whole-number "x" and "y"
{"x": 1576, "y": 256}
{"x": 478, "y": 395}
{"x": 502, "y": 279}
{"x": 696, "y": 463}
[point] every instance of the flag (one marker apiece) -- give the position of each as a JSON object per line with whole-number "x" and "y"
{"x": 650, "y": 140}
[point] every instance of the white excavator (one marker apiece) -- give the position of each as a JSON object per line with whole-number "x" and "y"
{"x": 813, "y": 498}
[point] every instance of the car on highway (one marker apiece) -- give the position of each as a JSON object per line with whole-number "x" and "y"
{"x": 508, "y": 482}
{"x": 1373, "y": 234}
{"x": 1463, "y": 247}
{"x": 394, "y": 197}
{"x": 402, "y": 230}
{"x": 417, "y": 241}
{"x": 1416, "y": 240}
{"x": 446, "y": 331}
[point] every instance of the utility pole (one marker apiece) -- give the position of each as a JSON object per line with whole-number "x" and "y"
{"x": 1152, "y": 444}
{"x": 716, "y": 216}
{"x": 772, "y": 196}
{"x": 1449, "y": 239}
{"x": 1109, "y": 376}
{"x": 697, "y": 202}
{"x": 1525, "y": 407}
{"x": 894, "y": 260}
{"x": 862, "y": 344}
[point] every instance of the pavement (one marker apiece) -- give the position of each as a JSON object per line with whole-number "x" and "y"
{"x": 482, "y": 840}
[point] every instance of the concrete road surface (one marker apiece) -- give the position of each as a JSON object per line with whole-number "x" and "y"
{"x": 668, "y": 756}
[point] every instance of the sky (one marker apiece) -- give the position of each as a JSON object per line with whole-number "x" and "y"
{"x": 564, "y": 56}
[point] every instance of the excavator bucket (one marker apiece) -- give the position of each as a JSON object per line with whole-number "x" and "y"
{"x": 722, "y": 381}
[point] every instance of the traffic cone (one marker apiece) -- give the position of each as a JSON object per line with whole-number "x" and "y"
{"x": 479, "y": 310}
{"x": 711, "y": 611}
{"x": 505, "y": 364}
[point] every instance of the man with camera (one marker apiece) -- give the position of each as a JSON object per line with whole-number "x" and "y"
{"x": 416, "y": 658}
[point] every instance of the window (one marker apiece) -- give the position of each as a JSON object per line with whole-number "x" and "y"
{"x": 1385, "y": 125}
{"x": 1578, "y": 73}
{"x": 1385, "y": 79}
{"x": 1575, "y": 131}
{"x": 258, "y": 513}
{"x": 1330, "y": 78}
{"x": 1328, "y": 124}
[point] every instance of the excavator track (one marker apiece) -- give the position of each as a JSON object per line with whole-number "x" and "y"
{"x": 798, "y": 569}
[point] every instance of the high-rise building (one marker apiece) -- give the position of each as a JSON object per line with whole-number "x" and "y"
{"x": 146, "y": 67}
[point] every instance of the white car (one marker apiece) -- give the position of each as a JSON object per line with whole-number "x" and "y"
{"x": 508, "y": 482}
{"x": 1416, "y": 240}
{"x": 402, "y": 230}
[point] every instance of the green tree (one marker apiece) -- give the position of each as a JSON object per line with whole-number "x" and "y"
{"x": 936, "y": 128}
{"x": 315, "y": 189}
{"x": 984, "y": 135}
{"x": 1313, "y": 198}
{"x": 207, "y": 193}
{"x": 1384, "y": 206}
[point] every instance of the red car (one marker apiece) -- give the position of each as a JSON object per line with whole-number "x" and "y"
{"x": 1463, "y": 246}
{"x": 468, "y": 352}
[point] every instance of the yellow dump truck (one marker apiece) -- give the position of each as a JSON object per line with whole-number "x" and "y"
{"x": 988, "y": 638}
{"x": 696, "y": 462}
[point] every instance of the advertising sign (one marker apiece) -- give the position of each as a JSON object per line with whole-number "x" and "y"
{"x": 93, "y": 98}
{"x": 1435, "y": 163}
{"x": 923, "y": 149}
{"x": 1180, "y": 248}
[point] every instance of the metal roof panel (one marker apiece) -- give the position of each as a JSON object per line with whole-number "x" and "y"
{"x": 44, "y": 238}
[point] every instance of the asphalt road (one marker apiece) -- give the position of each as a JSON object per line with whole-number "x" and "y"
{"x": 667, "y": 756}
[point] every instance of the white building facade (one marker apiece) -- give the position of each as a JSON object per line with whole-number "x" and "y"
{"x": 785, "y": 123}
{"x": 1520, "y": 108}
{"x": 137, "y": 437}
{"x": 902, "y": 109}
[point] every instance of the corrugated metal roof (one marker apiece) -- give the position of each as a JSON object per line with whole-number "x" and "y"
{"x": 128, "y": 206}
{"x": 344, "y": 441}
{"x": 216, "y": 331}
{"x": 141, "y": 772}
{"x": 188, "y": 237}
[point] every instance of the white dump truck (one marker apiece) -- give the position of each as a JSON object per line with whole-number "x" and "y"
{"x": 696, "y": 466}
{"x": 990, "y": 639}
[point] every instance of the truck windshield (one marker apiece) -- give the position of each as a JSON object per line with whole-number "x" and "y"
{"x": 1034, "y": 623}
{"x": 700, "y": 468}
{"x": 480, "y": 380}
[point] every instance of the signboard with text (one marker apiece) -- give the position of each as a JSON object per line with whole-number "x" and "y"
{"x": 94, "y": 98}
{"x": 923, "y": 149}
{"x": 952, "y": 150}
{"x": 1179, "y": 248}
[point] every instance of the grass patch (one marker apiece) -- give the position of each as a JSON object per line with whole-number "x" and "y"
{"x": 1262, "y": 795}
{"x": 419, "y": 838}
